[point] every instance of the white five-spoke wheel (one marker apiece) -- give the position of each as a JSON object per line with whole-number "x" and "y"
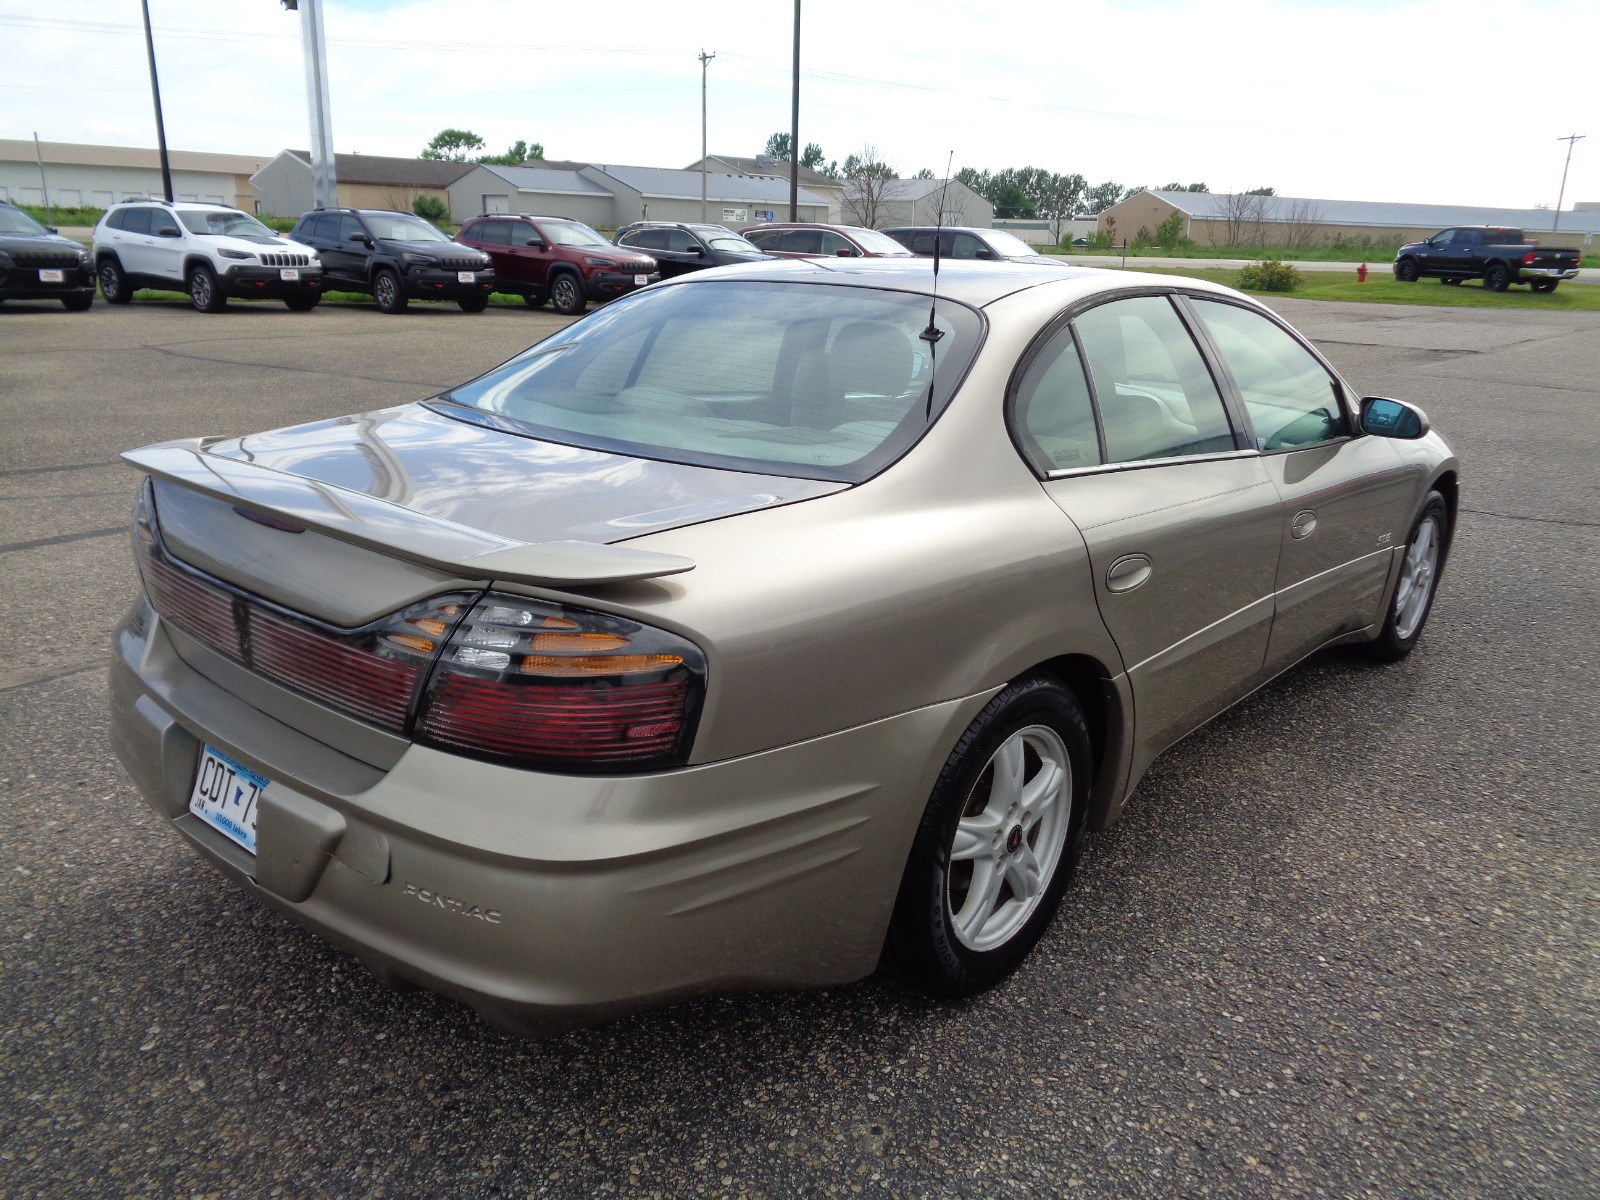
{"x": 1417, "y": 581}
{"x": 997, "y": 841}
{"x": 1009, "y": 838}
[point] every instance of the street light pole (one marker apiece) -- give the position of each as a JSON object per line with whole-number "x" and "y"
{"x": 1562, "y": 195}
{"x": 794, "y": 126}
{"x": 324, "y": 179}
{"x": 155, "y": 91}
{"x": 705, "y": 61}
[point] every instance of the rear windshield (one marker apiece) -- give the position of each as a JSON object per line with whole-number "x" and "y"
{"x": 817, "y": 381}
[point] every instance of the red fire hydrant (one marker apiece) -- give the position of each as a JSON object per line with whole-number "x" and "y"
{"x": 1361, "y": 273}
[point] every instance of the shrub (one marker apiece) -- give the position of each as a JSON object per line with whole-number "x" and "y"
{"x": 1268, "y": 276}
{"x": 1169, "y": 234}
{"x": 1101, "y": 239}
{"x": 430, "y": 208}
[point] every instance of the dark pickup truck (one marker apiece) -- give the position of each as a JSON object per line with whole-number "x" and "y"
{"x": 1499, "y": 257}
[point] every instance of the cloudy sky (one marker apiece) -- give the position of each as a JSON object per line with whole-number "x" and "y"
{"x": 1333, "y": 99}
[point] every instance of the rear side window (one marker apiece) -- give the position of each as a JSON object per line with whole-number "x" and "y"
{"x": 647, "y": 239}
{"x": 802, "y": 241}
{"x": 1155, "y": 394}
{"x": 1290, "y": 397}
{"x": 1054, "y": 413}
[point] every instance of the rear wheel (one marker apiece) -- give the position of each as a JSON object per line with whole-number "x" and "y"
{"x": 534, "y": 301}
{"x": 1544, "y": 285}
{"x": 302, "y": 303}
{"x": 1496, "y": 277}
{"x": 473, "y": 303}
{"x": 1418, "y": 582}
{"x": 113, "y": 283}
{"x": 1406, "y": 270}
{"x": 997, "y": 842}
{"x": 566, "y": 294}
{"x": 387, "y": 292}
{"x": 204, "y": 291}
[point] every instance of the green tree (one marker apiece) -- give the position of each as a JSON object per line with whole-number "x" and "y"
{"x": 430, "y": 208}
{"x": 778, "y": 149}
{"x": 925, "y": 173}
{"x": 516, "y": 154}
{"x": 1102, "y": 196}
{"x": 1183, "y": 187}
{"x": 453, "y": 145}
{"x": 1262, "y": 192}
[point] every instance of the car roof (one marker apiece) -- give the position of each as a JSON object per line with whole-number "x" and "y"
{"x": 936, "y": 229}
{"x": 969, "y": 281}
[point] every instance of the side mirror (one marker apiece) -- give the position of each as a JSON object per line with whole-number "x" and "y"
{"x": 1382, "y": 417}
{"x": 983, "y": 254}
{"x": 51, "y": 229}
{"x": 535, "y": 241}
{"x": 169, "y": 231}
{"x": 699, "y": 251}
{"x": 845, "y": 253}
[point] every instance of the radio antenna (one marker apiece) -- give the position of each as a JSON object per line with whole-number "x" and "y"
{"x": 933, "y": 333}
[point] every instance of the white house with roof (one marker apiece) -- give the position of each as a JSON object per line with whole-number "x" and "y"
{"x": 1224, "y": 219}
{"x": 541, "y": 191}
{"x": 885, "y": 203}
{"x": 659, "y": 194}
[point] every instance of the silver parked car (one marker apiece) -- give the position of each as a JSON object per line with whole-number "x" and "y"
{"x": 755, "y": 622}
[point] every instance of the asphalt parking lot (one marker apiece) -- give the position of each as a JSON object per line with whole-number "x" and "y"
{"x": 1345, "y": 942}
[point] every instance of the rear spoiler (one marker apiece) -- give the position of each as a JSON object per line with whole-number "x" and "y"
{"x": 394, "y": 530}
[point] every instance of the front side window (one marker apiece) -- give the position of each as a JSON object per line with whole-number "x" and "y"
{"x": 1156, "y": 397}
{"x": 808, "y": 380}
{"x": 681, "y": 241}
{"x": 161, "y": 223}
{"x": 802, "y": 241}
{"x": 1290, "y": 397}
{"x": 833, "y": 244}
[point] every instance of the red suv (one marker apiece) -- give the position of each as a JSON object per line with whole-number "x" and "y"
{"x": 556, "y": 259}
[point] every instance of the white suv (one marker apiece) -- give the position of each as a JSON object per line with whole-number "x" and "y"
{"x": 210, "y": 251}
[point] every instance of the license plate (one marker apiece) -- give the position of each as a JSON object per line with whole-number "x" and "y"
{"x": 49, "y": 275}
{"x": 466, "y": 277}
{"x": 226, "y": 795}
{"x": 640, "y": 280}
{"x": 289, "y": 273}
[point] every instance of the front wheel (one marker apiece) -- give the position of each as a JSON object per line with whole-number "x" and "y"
{"x": 1418, "y": 582}
{"x": 1497, "y": 277}
{"x": 301, "y": 303}
{"x": 997, "y": 843}
{"x": 387, "y": 292}
{"x": 77, "y": 303}
{"x": 566, "y": 295}
{"x": 204, "y": 291}
{"x": 473, "y": 303}
{"x": 1406, "y": 270}
{"x": 1544, "y": 285}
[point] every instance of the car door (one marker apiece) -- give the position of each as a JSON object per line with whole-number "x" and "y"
{"x": 347, "y": 254}
{"x": 654, "y": 243}
{"x": 1344, "y": 498}
{"x": 165, "y": 247}
{"x": 1435, "y": 253}
{"x": 1122, "y": 416}
{"x": 494, "y": 239}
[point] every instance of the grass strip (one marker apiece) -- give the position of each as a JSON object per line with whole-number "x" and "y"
{"x": 1385, "y": 289}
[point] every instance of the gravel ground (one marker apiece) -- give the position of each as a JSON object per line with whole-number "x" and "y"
{"x": 1343, "y": 943}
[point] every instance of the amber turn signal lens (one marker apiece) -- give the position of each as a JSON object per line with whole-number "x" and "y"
{"x": 598, "y": 664}
{"x": 412, "y": 642}
{"x": 576, "y": 643}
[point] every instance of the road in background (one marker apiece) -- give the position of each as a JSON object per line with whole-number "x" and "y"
{"x": 1345, "y": 942}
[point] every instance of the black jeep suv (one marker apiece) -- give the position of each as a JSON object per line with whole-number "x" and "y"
{"x": 679, "y": 248}
{"x": 396, "y": 257}
{"x": 37, "y": 263}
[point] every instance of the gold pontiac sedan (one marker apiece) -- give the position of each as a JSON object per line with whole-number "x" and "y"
{"x": 756, "y": 625}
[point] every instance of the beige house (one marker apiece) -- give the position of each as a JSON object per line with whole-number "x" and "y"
{"x": 78, "y": 175}
{"x": 283, "y": 186}
{"x": 820, "y": 186}
{"x": 1224, "y": 219}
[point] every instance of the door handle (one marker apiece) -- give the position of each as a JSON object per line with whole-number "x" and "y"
{"x": 1303, "y": 525}
{"x": 1128, "y": 572}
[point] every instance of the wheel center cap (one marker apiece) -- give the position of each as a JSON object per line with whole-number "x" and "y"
{"x": 1013, "y": 839}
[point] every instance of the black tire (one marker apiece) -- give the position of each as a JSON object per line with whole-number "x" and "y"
{"x": 387, "y": 293}
{"x": 301, "y": 303}
{"x": 1496, "y": 277}
{"x": 534, "y": 301}
{"x": 1408, "y": 613}
{"x": 113, "y": 283}
{"x": 1544, "y": 285}
{"x": 1452, "y": 280}
{"x": 566, "y": 294}
{"x": 473, "y": 303}
{"x": 1029, "y": 719}
{"x": 205, "y": 293}
{"x": 77, "y": 303}
{"x": 1407, "y": 271}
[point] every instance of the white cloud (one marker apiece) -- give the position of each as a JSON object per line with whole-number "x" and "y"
{"x": 1339, "y": 98}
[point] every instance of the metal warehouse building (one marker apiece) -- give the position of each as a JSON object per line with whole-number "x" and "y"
{"x": 98, "y": 176}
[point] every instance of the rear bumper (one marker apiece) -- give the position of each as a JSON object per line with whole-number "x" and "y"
{"x": 545, "y": 901}
{"x": 1547, "y": 272}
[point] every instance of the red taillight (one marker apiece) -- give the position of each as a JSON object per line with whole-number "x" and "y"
{"x": 194, "y": 606}
{"x": 376, "y": 688}
{"x": 1527, "y": 259}
{"x": 541, "y": 684}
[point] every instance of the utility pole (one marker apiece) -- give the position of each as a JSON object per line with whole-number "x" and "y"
{"x": 705, "y": 61}
{"x": 44, "y": 187}
{"x": 1562, "y": 195}
{"x": 794, "y": 126}
{"x": 155, "y": 91}
{"x": 324, "y": 179}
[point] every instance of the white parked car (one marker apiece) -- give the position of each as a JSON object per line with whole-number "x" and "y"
{"x": 210, "y": 251}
